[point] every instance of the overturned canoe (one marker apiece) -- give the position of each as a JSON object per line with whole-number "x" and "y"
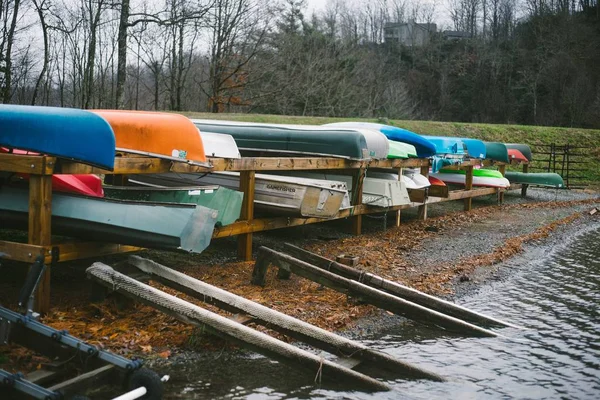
{"x": 157, "y": 225}
{"x": 447, "y": 145}
{"x": 62, "y": 132}
{"x": 227, "y": 202}
{"x": 219, "y": 145}
{"x": 523, "y": 148}
{"x": 475, "y": 148}
{"x": 270, "y": 138}
{"x": 274, "y": 194}
{"x": 496, "y": 151}
{"x": 516, "y": 156}
{"x": 547, "y": 179}
{"x": 155, "y": 134}
{"x": 401, "y": 150}
{"x": 424, "y": 147}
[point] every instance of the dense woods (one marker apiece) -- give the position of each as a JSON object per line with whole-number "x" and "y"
{"x": 516, "y": 61}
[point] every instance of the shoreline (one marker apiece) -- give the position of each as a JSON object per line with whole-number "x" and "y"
{"x": 166, "y": 343}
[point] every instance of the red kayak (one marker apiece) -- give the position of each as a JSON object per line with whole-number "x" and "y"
{"x": 89, "y": 185}
{"x": 516, "y": 155}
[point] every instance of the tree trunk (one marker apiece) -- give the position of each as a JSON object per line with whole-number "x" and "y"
{"x": 122, "y": 54}
{"x": 7, "y": 95}
{"x": 38, "y": 6}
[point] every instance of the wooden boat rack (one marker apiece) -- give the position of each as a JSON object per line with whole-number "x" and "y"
{"x": 41, "y": 168}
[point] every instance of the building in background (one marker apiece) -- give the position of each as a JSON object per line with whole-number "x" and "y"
{"x": 409, "y": 33}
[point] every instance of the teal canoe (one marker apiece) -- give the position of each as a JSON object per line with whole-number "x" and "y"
{"x": 523, "y": 148}
{"x": 226, "y": 201}
{"x": 258, "y": 138}
{"x": 546, "y": 179}
{"x": 496, "y": 151}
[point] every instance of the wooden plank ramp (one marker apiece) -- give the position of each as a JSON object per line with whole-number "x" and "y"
{"x": 396, "y": 289}
{"x": 280, "y": 322}
{"x": 326, "y": 371}
{"x": 366, "y": 293}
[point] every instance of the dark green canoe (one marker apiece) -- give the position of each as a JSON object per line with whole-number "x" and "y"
{"x": 523, "y": 148}
{"x": 496, "y": 151}
{"x": 548, "y": 179}
{"x": 227, "y": 202}
{"x": 336, "y": 142}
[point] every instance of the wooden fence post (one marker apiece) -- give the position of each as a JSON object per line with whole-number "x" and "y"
{"x": 247, "y": 180}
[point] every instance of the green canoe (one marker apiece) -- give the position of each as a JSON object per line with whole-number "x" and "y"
{"x": 548, "y": 179}
{"x": 496, "y": 151}
{"x": 481, "y": 172}
{"x": 523, "y": 148}
{"x": 226, "y": 201}
{"x": 401, "y": 150}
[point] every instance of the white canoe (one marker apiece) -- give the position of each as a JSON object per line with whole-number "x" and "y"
{"x": 277, "y": 194}
{"x": 219, "y": 145}
{"x": 459, "y": 179}
{"x": 412, "y": 179}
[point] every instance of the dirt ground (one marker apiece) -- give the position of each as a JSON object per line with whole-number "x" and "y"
{"x": 451, "y": 251}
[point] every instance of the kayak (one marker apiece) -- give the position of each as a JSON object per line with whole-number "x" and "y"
{"x": 401, "y": 150}
{"x": 67, "y": 133}
{"x": 446, "y": 145}
{"x": 487, "y": 178}
{"x": 481, "y": 172}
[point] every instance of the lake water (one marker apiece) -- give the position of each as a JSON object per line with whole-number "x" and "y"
{"x": 555, "y": 296}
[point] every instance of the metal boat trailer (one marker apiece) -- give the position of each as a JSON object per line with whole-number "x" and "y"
{"x": 68, "y": 354}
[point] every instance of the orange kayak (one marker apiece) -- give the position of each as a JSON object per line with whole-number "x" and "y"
{"x": 156, "y": 134}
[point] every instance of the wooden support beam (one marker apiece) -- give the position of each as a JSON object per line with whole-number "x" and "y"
{"x": 398, "y": 213}
{"x": 422, "y": 211}
{"x": 357, "y": 193}
{"x": 468, "y": 186}
{"x": 502, "y": 170}
{"x": 525, "y": 186}
{"x": 247, "y": 181}
{"x": 27, "y": 164}
{"x": 40, "y": 213}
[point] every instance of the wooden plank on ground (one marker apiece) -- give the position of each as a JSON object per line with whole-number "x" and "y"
{"x": 85, "y": 381}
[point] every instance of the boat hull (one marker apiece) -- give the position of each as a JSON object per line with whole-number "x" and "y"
{"x": 219, "y": 145}
{"x": 401, "y": 150}
{"x": 546, "y": 179}
{"x": 62, "y": 132}
{"x": 496, "y": 151}
{"x": 227, "y": 202}
{"x": 165, "y": 226}
{"x": 484, "y": 181}
{"x": 523, "y": 148}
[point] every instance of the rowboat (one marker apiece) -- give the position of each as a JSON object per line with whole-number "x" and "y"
{"x": 547, "y": 179}
{"x": 424, "y": 147}
{"x": 481, "y": 177}
{"x": 516, "y": 156}
{"x": 156, "y": 134}
{"x": 275, "y": 195}
{"x": 401, "y": 150}
{"x": 157, "y": 225}
{"x": 219, "y": 145}
{"x": 496, "y": 151}
{"x": 67, "y": 133}
{"x": 295, "y": 140}
{"x": 227, "y": 202}
{"x": 376, "y": 192}
{"x": 523, "y": 148}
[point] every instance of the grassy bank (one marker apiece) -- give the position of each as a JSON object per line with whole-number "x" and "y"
{"x": 532, "y": 135}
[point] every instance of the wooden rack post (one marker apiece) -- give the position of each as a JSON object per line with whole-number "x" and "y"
{"x": 422, "y": 211}
{"x": 524, "y": 186}
{"x": 502, "y": 170}
{"x": 247, "y": 180}
{"x": 398, "y": 213}
{"x": 357, "y": 193}
{"x": 468, "y": 186}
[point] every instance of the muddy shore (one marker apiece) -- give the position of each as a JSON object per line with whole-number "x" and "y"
{"x": 451, "y": 254}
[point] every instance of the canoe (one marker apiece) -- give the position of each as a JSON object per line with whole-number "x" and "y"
{"x": 496, "y": 151}
{"x": 475, "y": 148}
{"x": 423, "y": 146}
{"x": 411, "y": 179}
{"x": 273, "y": 194}
{"x": 516, "y": 155}
{"x": 401, "y": 150}
{"x": 157, "y": 225}
{"x": 67, "y": 133}
{"x": 547, "y": 179}
{"x": 523, "y": 148}
{"x": 156, "y": 134}
{"x": 281, "y": 139}
{"x": 219, "y": 145}
{"x": 458, "y": 177}
{"x": 446, "y": 145}
{"x": 227, "y": 202}
{"x": 438, "y": 188}
{"x": 377, "y": 192}
{"x": 477, "y": 172}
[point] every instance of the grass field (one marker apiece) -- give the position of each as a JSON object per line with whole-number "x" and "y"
{"x": 535, "y": 136}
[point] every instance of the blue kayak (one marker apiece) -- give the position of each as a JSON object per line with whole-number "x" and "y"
{"x": 61, "y": 132}
{"x": 423, "y": 146}
{"x": 447, "y": 145}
